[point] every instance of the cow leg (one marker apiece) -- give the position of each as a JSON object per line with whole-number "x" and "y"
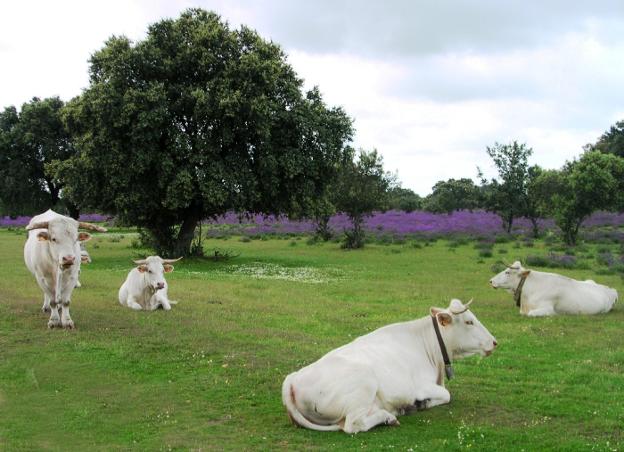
{"x": 430, "y": 396}
{"x": 362, "y": 421}
{"x": 66, "y": 320}
{"x": 133, "y": 304}
{"x": 48, "y": 294}
{"x": 55, "y": 320}
{"x": 160, "y": 300}
{"x": 541, "y": 312}
{"x": 46, "y": 303}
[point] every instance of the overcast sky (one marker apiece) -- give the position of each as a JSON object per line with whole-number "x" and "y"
{"x": 429, "y": 84}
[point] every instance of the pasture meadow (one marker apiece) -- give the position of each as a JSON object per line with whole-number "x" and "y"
{"x": 207, "y": 375}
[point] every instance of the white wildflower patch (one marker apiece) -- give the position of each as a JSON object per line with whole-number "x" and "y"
{"x": 261, "y": 270}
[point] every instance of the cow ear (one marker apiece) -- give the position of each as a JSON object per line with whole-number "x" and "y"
{"x": 525, "y": 273}
{"x": 84, "y": 236}
{"x": 443, "y": 317}
{"x": 142, "y": 268}
{"x": 43, "y": 236}
{"x": 168, "y": 268}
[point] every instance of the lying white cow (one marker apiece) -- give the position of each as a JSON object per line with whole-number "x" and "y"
{"x": 541, "y": 294}
{"x": 393, "y": 370}
{"x": 52, "y": 254}
{"x": 145, "y": 287}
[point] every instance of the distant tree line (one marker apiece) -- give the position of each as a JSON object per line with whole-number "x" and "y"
{"x": 198, "y": 119}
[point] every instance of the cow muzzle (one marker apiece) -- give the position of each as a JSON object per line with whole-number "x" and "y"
{"x": 160, "y": 285}
{"x": 67, "y": 261}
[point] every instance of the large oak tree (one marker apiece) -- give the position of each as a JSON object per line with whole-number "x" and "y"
{"x": 195, "y": 120}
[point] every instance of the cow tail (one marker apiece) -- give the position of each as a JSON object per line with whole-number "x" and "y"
{"x": 288, "y": 398}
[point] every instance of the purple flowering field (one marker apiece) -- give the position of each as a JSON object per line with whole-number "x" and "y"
{"x": 391, "y": 222}
{"x": 400, "y": 223}
{"x": 23, "y": 221}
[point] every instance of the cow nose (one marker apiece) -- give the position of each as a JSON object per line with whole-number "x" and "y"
{"x": 160, "y": 285}
{"x": 68, "y": 260}
{"x": 495, "y": 343}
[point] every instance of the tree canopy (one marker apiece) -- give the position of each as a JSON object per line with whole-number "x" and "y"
{"x": 594, "y": 182}
{"x": 507, "y": 196}
{"x": 453, "y": 194}
{"x": 610, "y": 142}
{"x": 361, "y": 188}
{"x": 195, "y": 120}
{"x": 30, "y": 140}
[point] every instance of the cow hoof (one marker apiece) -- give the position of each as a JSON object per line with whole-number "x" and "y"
{"x": 393, "y": 422}
{"x": 46, "y": 310}
{"x": 52, "y": 324}
{"x": 69, "y": 325}
{"x": 421, "y": 404}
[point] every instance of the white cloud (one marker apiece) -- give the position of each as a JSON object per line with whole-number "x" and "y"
{"x": 429, "y": 84}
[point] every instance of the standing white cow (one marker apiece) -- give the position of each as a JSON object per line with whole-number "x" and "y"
{"x": 393, "y": 370}
{"x": 145, "y": 287}
{"x": 52, "y": 254}
{"x": 85, "y": 258}
{"x": 542, "y": 294}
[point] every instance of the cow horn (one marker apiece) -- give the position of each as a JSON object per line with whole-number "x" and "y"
{"x": 40, "y": 225}
{"x": 463, "y": 310}
{"x": 170, "y": 261}
{"x": 141, "y": 262}
{"x": 91, "y": 227}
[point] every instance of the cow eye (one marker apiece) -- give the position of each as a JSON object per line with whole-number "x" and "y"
{"x": 469, "y": 322}
{"x": 53, "y": 239}
{"x": 149, "y": 271}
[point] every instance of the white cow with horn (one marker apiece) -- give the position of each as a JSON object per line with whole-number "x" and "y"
{"x": 542, "y": 294}
{"x": 52, "y": 254}
{"x": 393, "y": 370}
{"x": 145, "y": 287}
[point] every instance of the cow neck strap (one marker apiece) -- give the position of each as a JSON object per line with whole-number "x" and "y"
{"x": 448, "y": 368}
{"x": 518, "y": 291}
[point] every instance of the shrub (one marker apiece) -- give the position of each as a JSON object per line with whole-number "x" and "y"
{"x": 485, "y": 253}
{"x": 552, "y": 260}
{"x": 605, "y": 258}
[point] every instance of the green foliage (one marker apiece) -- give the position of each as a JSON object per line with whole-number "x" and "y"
{"x": 594, "y": 182}
{"x": 403, "y": 199}
{"x": 30, "y": 141}
{"x": 453, "y": 194}
{"x": 508, "y": 196}
{"x": 611, "y": 142}
{"x": 195, "y": 120}
{"x": 361, "y": 188}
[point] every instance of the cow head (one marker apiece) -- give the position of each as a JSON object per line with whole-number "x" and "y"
{"x": 510, "y": 277}
{"x": 153, "y": 269}
{"x": 463, "y": 334}
{"x": 61, "y": 234}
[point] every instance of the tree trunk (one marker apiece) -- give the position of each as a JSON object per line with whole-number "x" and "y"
{"x": 535, "y": 228}
{"x": 73, "y": 210}
{"x": 322, "y": 228}
{"x": 182, "y": 243}
{"x": 509, "y": 223}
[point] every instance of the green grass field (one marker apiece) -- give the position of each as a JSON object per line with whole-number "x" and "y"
{"x": 207, "y": 375}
